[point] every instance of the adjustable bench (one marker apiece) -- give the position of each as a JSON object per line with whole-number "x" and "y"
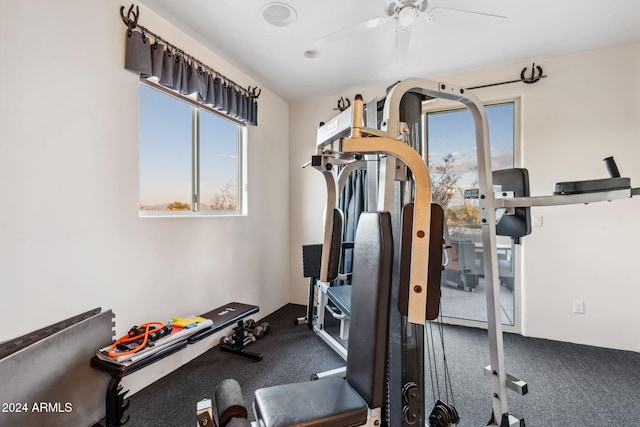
{"x": 356, "y": 399}
{"x": 322, "y": 265}
{"x": 341, "y": 297}
{"x": 116, "y": 406}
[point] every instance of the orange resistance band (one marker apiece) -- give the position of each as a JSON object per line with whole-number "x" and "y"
{"x": 132, "y": 336}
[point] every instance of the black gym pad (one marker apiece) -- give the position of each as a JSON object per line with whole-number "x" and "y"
{"x": 325, "y": 402}
{"x": 592, "y": 186}
{"x": 336, "y": 244}
{"x": 516, "y": 180}
{"x": 311, "y": 260}
{"x": 370, "y": 300}
{"x": 341, "y": 297}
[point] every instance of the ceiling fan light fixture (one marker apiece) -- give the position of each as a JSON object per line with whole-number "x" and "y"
{"x": 279, "y": 14}
{"x": 406, "y": 16}
{"x": 392, "y": 7}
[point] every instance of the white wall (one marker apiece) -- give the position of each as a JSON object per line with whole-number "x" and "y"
{"x": 587, "y": 109}
{"x": 70, "y": 235}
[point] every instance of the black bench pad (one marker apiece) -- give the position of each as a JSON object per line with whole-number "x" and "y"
{"x": 327, "y": 402}
{"x": 341, "y": 297}
{"x": 592, "y": 186}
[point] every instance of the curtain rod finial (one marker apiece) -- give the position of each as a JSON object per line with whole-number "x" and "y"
{"x": 255, "y": 92}
{"x": 128, "y": 21}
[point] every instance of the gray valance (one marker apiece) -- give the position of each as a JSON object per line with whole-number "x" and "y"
{"x": 186, "y": 75}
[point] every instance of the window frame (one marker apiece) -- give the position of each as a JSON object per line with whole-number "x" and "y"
{"x": 241, "y": 170}
{"x": 440, "y": 105}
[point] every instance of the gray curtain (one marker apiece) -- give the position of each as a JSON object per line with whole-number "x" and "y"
{"x": 186, "y": 76}
{"x": 352, "y": 202}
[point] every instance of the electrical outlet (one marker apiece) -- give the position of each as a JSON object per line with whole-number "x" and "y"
{"x": 578, "y": 306}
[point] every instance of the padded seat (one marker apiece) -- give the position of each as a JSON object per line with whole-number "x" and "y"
{"x": 327, "y": 402}
{"x": 341, "y": 297}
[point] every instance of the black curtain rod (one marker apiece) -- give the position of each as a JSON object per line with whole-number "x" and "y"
{"x": 535, "y": 76}
{"x": 132, "y": 23}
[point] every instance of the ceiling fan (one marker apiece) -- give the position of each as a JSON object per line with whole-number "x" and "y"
{"x": 405, "y": 13}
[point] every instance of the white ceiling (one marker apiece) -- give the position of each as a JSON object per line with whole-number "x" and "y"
{"x": 455, "y": 42}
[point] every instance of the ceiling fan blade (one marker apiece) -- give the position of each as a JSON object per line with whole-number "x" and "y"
{"x": 431, "y": 14}
{"x": 357, "y": 28}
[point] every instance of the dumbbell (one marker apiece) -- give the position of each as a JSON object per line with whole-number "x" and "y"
{"x": 258, "y": 330}
{"x": 231, "y": 340}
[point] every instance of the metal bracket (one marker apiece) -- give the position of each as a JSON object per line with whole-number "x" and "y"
{"x": 512, "y": 382}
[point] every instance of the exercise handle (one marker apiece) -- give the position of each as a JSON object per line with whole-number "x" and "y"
{"x": 612, "y": 168}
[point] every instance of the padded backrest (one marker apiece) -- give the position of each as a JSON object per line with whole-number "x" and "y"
{"x": 370, "y": 295}
{"x": 311, "y": 260}
{"x": 516, "y": 180}
{"x": 312, "y": 254}
{"x": 336, "y": 244}
{"x": 436, "y": 241}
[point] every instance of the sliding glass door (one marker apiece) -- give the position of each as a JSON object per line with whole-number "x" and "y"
{"x": 453, "y": 165}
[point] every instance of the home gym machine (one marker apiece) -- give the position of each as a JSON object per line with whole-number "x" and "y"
{"x": 388, "y": 146}
{"x": 400, "y": 247}
{"x": 401, "y": 174}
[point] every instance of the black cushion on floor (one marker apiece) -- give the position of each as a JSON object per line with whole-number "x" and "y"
{"x": 326, "y": 402}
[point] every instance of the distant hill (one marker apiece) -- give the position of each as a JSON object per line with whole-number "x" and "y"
{"x": 159, "y": 207}
{"x": 163, "y": 207}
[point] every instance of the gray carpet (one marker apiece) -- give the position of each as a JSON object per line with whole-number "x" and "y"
{"x": 569, "y": 384}
{"x": 291, "y": 354}
{"x": 467, "y": 305}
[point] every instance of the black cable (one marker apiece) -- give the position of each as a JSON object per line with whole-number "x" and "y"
{"x": 448, "y": 383}
{"x": 416, "y": 359}
{"x": 435, "y": 363}
{"x": 429, "y": 346}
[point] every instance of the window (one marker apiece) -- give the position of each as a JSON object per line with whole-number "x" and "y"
{"x": 453, "y": 167}
{"x": 190, "y": 158}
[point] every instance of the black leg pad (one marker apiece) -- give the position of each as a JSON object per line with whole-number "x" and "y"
{"x": 321, "y": 403}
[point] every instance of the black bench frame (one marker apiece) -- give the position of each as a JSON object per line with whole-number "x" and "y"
{"x": 115, "y": 404}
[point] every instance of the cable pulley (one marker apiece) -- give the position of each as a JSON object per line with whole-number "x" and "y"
{"x": 411, "y": 408}
{"x": 443, "y": 415}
